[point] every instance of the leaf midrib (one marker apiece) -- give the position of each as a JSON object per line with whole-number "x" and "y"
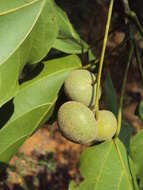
{"x": 101, "y": 169}
{"x": 118, "y": 186}
{"x": 122, "y": 163}
{"x": 18, "y": 8}
{"x": 26, "y": 85}
{"x": 30, "y": 29}
{"x": 20, "y": 116}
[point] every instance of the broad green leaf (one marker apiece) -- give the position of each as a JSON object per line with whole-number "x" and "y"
{"x": 9, "y": 73}
{"x": 34, "y": 48}
{"x": 15, "y": 25}
{"x": 133, "y": 173}
{"x": 33, "y": 103}
{"x": 110, "y": 95}
{"x": 105, "y": 166}
{"x": 136, "y": 152}
{"x": 68, "y": 40}
{"x": 8, "y": 5}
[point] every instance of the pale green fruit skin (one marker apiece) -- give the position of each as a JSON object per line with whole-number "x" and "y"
{"x": 106, "y": 125}
{"x": 80, "y": 86}
{"x": 77, "y": 122}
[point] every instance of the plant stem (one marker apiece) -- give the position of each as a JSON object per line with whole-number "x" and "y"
{"x": 102, "y": 57}
{"x": 138, "y": 58}
{"x": 132, "y": 16}
{"x": 123, "y": 88}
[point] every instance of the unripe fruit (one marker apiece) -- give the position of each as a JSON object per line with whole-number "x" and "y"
{"x": 106, "y": 125}
{"x": 77, "y": 122}
{"x": 80, "y": 86}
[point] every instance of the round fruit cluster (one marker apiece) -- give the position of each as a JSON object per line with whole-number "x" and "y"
{"x": 76, "y": 120}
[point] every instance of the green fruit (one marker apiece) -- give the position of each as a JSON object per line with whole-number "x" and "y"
{"x": 80, "y": 86}
{"x": 106, "y": 125}
{"x": 77, "y": 122}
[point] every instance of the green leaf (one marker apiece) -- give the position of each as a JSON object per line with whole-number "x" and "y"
{"x": 91, "y": 56}
{"x": 70, "y": 46}
{"x": 105, "y": 166}
{"x": 68, "y": 40}
{"x": 8, "y": 5}
{"x": 110, "y": 95}
{"x": 136, "y": 152}
{"x": 126, "y": 134}
{"x": 14, "y": 29}
{"x": 65, "y": 27}
{"x": 9, "y": 73}
{"x": 140, "y": 110}
{"x": 33, "y": 102}
{"x": 72, "y": 185}
{"x": 133, "y": 173}
{"x": 32, "y": 50}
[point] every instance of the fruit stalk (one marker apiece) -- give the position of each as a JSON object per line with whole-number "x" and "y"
{"x": 102, "y": 57}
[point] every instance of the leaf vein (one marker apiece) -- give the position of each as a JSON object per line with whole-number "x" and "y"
{"x": 101, "y": 169}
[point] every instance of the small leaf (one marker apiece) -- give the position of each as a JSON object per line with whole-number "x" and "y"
{"x": 91, "y": 56}
{"x": 68, "y": 39}
{"x": 33, "y": 102}
{"x": 140, "y": 110}
{"x": 105, "y": 166}
{"x": 65, "y": 27}
{"x": 110, "y": 95}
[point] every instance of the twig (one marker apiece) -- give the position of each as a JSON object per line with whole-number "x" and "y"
{"x": 132, "y": 16}
{"x": 138, "y": 59}
{"x": 102, "y": 57}
{"x": 123, "y": 88}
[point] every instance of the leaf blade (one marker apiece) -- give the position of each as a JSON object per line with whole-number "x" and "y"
{"x": 68, "y": 40}
{"x": 137, "y": 154}
{"x": 13, "y": 38}
{"x": 99, "y": 163}
{"x": 34, "y": 101}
